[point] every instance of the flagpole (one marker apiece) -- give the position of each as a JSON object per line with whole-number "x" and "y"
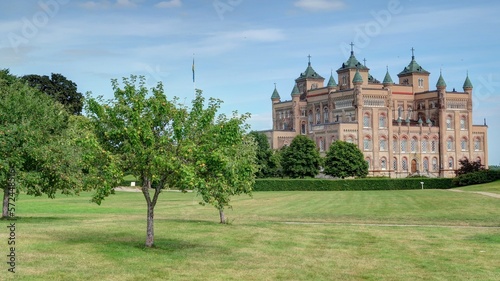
{"x": 194, "y": 80}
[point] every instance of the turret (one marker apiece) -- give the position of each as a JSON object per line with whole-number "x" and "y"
{"x": 275, "y": 97}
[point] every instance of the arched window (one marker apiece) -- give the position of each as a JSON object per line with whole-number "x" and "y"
{"x": 368, "y": 161}
{"x": 426, "y": 164}
{"x": 383, "y": 143}
{"x": 404, "y": 144}
{"x": 462, "y": 123}
{"x": 383, "y": 163}
{"x": 394, "y": 144}
{"x": 321, "y": 144}
{"x": 449, "y": 124}
{"x": 434, "y": 145}
{"x": 450, "y": 163}
{"x": 325, "y": 115}
{"x": 434, "y": 164}
{"x": 395, "y": 164}
{"x": 404, "y": 164}
{"x": 413, "y": 144}
{"x": 400, "y": 112}
{"x": 410, "y": 113}
{"x": 367, "y": 143}
{"x": 477, "y": 144}
{"x": 381, "y": 121}
{"x": 366, "y": 120}
{"x": 463, "y": 144}
{"x": 303, "y": 128}
{"x": 310, "y": 120}
{"x": 424, "y": 145}
{"x": 349, "y": 139}
{"x": 449, "y": 144}
{"x": 318, "y": 116}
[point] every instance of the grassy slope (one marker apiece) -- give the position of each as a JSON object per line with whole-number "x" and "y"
{"x": 493, "y": 187}
{"x": 71, "y": 239}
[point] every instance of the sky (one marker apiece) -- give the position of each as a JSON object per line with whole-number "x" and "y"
{"x": 241, "y": 48}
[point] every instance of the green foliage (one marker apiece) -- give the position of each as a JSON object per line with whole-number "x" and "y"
{"x": 301, "y": 159}
{"x": 350, "y": 184}
{"x": 481, "y": 176}
{"x": 467, "y": 166}
{"x": 58, "y": 88}
{"x": 224, "y": 156}
{"x": 344, "y": 159}
{"x": 268, "y": 165}
{"x": 39, "y": 147}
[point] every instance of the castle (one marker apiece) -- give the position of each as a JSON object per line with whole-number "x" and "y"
{"x": 402, "y": 128}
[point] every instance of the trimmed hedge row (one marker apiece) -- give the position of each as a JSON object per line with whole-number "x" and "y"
{"x": 351, "y": 184}
{"x": 482, "y": 176}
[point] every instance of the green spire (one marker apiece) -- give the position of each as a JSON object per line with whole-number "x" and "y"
{"x": 413, "y": 67}
{"x": 295, "y": 91}
{"x": 357, "y": 77}
{"x": 275, "y": 94}
{"x": 387, "y": 78}
{"x": 440, "y": 82}
{"x": 331, "y": 82}
{"x": 467, "y": 83}
{"x": 310, "y": 72}
{"x": 352, "y": 62}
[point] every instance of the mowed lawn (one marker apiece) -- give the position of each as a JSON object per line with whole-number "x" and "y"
{"x": 348, "y": 235}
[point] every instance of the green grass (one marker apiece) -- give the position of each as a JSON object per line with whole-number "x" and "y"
{"x": 493, "y": 187}
{"x": 351, "y": 235}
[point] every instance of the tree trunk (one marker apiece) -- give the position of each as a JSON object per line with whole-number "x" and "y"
{"x": 150, "y": 233}
{"x": 222, "y": 218}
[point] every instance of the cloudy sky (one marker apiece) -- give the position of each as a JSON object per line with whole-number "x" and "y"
{"x": 242, "y": 47}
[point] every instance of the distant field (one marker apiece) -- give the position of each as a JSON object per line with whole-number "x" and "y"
{"x": 349, "y": 235}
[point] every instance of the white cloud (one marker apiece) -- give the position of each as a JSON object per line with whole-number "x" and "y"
{"x": 320, "y": 5}
{"x": 169, "y": 4}
{"x": 105, "y": 4}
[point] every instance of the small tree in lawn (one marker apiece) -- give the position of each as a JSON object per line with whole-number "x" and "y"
{"x": 344, "y": 159}
{"x": 267, "y": 165}
{"x": 225, "y": 162}
{"x": 301, "y": 159}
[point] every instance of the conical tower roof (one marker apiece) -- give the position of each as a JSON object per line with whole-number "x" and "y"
{"x": 331, "y": 82}
{"x": 275, "y": 94}
{"x": 387, "y": 78}
{"x": 357, "y": 77}
{"x": 413, "y": 67}
{"x": 440, "y": 82}
{"x": 295, "y": 91}
{"x": 309, "y": 72}
{"x": 467, "y": 83}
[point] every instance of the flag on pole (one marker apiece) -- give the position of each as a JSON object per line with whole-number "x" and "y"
{"x": 193, "y": 69}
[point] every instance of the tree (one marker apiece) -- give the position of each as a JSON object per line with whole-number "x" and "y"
{"x": 39, "y": 153}
{"x": 301, "y": 159}
{"x": 267, "y": 166}
{"x": 225, "y": 160}
{"x": 344, "y": 159}
{"x": 59, "y": 88}
{"x": 467, "y": 166}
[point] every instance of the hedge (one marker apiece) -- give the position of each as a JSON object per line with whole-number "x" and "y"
{"x": 482, "y": 176}
{"x": 351, "y": 184}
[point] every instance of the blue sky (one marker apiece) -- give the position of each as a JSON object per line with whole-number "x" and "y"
{"x": 243, "y": 47}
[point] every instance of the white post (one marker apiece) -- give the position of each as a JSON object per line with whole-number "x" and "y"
{"x": 422, "y": 183}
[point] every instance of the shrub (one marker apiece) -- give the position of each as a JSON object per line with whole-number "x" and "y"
{"x": 350, "y": 184}
{"x": 482, "y": 176}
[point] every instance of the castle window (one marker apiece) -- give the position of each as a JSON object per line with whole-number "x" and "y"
{"x": 321, "y": 144}
{"x": 449, "y": 144}
{"x": 404, "y": 144}
{"x": 318, "y": 116}
{"x": 413, "y": 144}
{"x": 367, "y": 143}
{"x": 434, "y": 164}
{"x": 404, "y": 164}
{"x": 366, "y": 120}
{"x": 303, "y": 128}
{"x": 349, "y": 139}
{"x": 383, "y": 144}
{"x": 448, "y": 123}
{"x": 450, "y": 163}
{"x": 368, "y": 161}
{"x": 420, "y": 82}
{"x": 381, "y": 121}
{"x": 325, "y": 115}
{"x": 383, "y": 163}
{"x": 477, "y": 144}
{"x": 424, "y": 145}
{"x": 395, "y": 164}
{"x": 426, "y": 164}
{"x": 433, "y": 145}
{"x": 463, "y": 144}
{"x": 462, "y": 123}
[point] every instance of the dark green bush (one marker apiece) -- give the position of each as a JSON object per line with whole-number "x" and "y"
{"x": 350, "y": 184}
{"x": 482, "y": 176}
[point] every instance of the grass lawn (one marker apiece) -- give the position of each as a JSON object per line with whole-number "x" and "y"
{"x": 493, "y": 187}
{"x": 349, "y": 235}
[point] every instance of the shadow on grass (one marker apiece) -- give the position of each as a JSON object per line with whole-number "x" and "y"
{"x": 41, "y": 219}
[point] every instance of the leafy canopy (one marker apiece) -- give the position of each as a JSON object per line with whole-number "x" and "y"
{"x": 344, "y": 159}
{"x": 301, "y": 159}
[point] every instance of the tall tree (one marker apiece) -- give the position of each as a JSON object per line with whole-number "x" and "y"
{"x": 344, "y": 159}
{"x": 267, "y": 167}
{"x": 225, "y": 159}
{"x": 38, "y": 154}
{"x": 60, "y": 89}
{"x": 301, "y": 159}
